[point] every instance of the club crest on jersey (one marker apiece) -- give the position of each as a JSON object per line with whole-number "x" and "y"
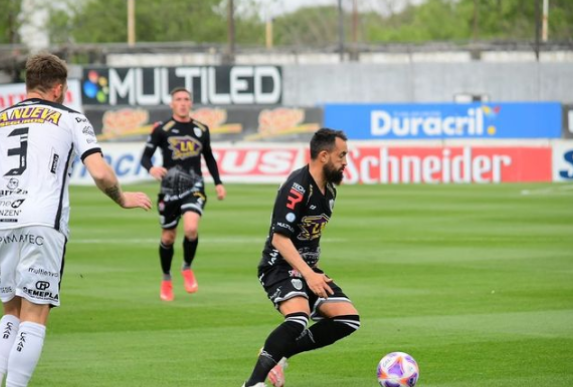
{"x": 13, "y": 183}
{"x": 311, "y": 227}
{"x": 296, "y": 283}
{"x": 30, "y": 115}
{"x": 198, "y": 132}
{"x": 184, "y": 147}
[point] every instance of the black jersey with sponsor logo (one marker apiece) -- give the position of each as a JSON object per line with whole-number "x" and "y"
{"x": 301, "y": 212}
{"x": 182, "y": 143}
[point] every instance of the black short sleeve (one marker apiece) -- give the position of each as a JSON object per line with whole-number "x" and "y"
{"x": 289, "y": 206}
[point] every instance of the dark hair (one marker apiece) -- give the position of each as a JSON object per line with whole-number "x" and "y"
{"x": 324, "y": 139}
{"x": 44, "y": 71}
{"x": 178, "y": 89}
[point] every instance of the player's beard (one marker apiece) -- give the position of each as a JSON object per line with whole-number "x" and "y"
{"x": 332, "y": 174}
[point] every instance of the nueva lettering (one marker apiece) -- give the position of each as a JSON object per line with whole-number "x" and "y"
{"x": 30, "y": 114}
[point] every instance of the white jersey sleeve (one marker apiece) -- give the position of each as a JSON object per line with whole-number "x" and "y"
{"x": 83, "y": 135}
{"x": 38, "y": 143}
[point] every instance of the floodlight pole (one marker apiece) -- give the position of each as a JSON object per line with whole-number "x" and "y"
{"x": 269, "y": 33}
{"x": 475, "y": 21}
{"x": 131, "y": 22}
{"x": 340, "y": 31}
{"x": 537, "y": 27}
{"x": 544, "y": 26}
{"x": 230, "y": 57}
{"x": 354, "y": 51}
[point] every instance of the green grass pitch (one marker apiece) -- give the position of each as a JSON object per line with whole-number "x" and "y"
{"x": 474, "y": 281}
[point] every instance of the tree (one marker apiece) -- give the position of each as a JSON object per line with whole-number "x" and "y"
{"x": 9, "y": 23}
{"x": 104, "y": 21}
{"x": 463, "y": 20}
{"x": 309, "y": 26}
{"x": 205, "y": 22}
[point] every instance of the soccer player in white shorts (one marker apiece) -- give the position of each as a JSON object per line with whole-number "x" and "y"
{"x": 32, "y": 265}
{"x": 39, "y": 139}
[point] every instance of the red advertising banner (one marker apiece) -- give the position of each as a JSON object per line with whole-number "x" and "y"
{"x": 367, "y": 164}
{"x": 258, "y": 164}
{"x": 372, "y": 165}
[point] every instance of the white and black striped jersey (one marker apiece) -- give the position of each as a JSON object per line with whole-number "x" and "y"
{"x": 38, "y": 143}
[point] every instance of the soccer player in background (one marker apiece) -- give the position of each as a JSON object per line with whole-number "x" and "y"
{"x": 182, "y": 141}
{"x": 39, "y": 138}
{"x": 288, "y": 270}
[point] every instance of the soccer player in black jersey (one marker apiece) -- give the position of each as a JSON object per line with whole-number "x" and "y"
{"x": 289, "y": 270}
{"x": 182, "y": 141}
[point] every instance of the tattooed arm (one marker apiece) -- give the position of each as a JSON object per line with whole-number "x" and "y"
{"x": 115, "y": 194}
{"x": 106, "y": 180}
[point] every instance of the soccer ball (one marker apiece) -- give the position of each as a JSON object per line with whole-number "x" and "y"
{"x": 397, "y": 369}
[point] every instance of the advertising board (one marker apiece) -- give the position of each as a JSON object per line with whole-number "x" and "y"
{"x": 150, "y": 86}
{"x": 13, "y": 93}
{"x": 367, "y": 164}
{"x": 527, "y": 120}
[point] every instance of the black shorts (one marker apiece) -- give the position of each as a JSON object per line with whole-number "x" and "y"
{"x": 282, "y": 283}
{"x": 171, "y": 208}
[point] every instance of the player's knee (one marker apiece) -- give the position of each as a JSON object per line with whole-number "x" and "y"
{"x": 294, "y": 325}
{"x": 298, "y": 321}
{"x": 168, "y": 237}
{"x": 191, "y": 232}
{"x": 167, "y": 241}
{"x": 348, "y": 324}
{"x": 191, "y": 235}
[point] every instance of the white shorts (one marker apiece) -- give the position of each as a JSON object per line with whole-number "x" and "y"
{"x": 31, "y": 264}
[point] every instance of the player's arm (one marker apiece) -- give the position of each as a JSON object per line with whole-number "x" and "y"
{"x": 146, "y": 158}
{"x": 213, "y": 169}
{"x": 85, "y": 143}
{"x": 106, "y": 180}
{"x": 317, "y": 282}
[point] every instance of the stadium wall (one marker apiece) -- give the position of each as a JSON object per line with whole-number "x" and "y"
{"x": 315, "y": 85}
{"x": 426, "y": 82}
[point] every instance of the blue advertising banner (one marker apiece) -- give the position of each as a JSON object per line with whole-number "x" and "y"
{"x": 446, "y": 120}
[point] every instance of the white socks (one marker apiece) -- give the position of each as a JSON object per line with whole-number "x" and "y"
{"x": 8, "y": 331}
{"x": 25, "y": 354}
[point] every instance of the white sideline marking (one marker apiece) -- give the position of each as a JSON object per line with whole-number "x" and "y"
{"x": 547, "y": 191}
{"x": 154, "y": 241}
